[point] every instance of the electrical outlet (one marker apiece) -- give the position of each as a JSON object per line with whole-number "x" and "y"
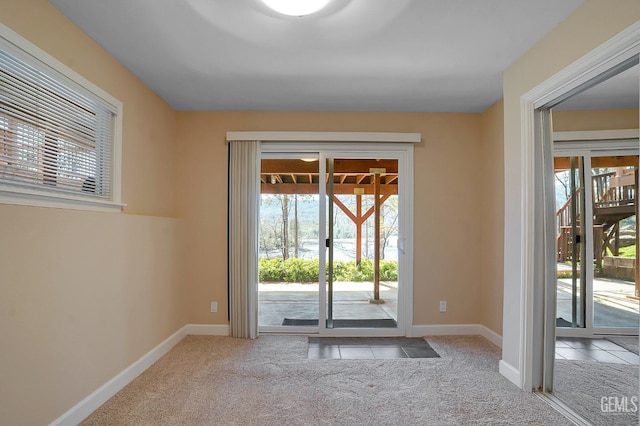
{"x": 443, "y": 306}
{"x": 214, "y": 306}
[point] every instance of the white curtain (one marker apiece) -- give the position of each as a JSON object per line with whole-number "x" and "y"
{"x": 244, "y": 196}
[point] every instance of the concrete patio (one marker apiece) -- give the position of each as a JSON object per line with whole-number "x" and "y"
{"x": 300, "y": 301}
{"x": 614, "y": 304}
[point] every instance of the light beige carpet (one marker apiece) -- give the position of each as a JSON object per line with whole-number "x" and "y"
{"x": 583, "y": 384}
{"x": 630, "y": 343}
{"x": 207, "y": 380}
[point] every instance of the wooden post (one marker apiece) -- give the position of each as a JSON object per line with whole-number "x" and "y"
{"x": 376, "y": 251}
{"x": 295, "y": 226}
{"x": 359, "y": 229}
{"x": 597, "y": 245}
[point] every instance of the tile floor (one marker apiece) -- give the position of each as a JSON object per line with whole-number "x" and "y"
{"x": 369, "y": 348}
{"x": 600, "y": 350}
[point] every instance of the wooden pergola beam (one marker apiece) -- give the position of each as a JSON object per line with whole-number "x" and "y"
{"x": 306, "y": 188}
{"x": 369, "y": 212}
{"x": 345, "y": 210}
{"x": 359, "y": 219}
{"x": 359, "y": 166}
{"x": 562, "y": 163}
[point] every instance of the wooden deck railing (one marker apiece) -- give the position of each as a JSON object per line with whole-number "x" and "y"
{"x": 610, "y": 190}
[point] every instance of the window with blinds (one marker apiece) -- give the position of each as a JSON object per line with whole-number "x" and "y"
{"x": 56, "y": 136}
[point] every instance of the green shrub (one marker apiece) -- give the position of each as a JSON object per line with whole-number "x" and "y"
{"x": 566, "y": 274}
{"x": 365, "y": 269}
{"x": 308, "y": 271}
{"x": 271, "y": 270}
{"x": 388, "y": 270}
{"x": 301, "y": 271}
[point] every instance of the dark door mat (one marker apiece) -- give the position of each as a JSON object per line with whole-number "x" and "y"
{"x": 346, "y": 323}
{"x": 369, "y": 348}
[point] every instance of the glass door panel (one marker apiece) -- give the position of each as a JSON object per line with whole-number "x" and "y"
{"x": 362, "y": 254}
{"x": 288, "y": 289}
{"x": 615, "y": 285}
{"x": 355, "y": 236}
{"x": 571, "y": 289}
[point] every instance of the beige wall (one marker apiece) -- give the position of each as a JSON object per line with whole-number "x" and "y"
{"x": 447, "y": 196}
{"x": 68, "y": 326}
{"x": 491, "y": 219}
{"x": 83, "y": 294}
{"x": 595, "y": 120}
{"x": 595, "y": 22}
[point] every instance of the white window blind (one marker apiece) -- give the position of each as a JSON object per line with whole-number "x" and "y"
{"x": 55, "y": 135}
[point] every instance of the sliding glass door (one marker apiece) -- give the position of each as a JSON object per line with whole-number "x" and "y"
{"x": 571, "y": 243}
{"x": 332, "y": 256}
{"x": 597, "y": 285}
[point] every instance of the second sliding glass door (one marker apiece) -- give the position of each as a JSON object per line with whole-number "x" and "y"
{"x": 597, "y": 283}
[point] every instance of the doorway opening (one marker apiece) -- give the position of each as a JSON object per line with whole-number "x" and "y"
{"x": 536, "y": 336}
{"x": 582, "y": 304}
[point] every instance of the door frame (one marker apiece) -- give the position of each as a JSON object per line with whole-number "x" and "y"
{"x": 606, "y": 145}
{"x": 401, "y": 153}
{"x": 535, "y": 329}
{"x": 400, "y": 144}
{"x": 289, "y": 154}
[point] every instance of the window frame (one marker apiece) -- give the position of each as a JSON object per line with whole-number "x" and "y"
{"x": 33, "y": 196}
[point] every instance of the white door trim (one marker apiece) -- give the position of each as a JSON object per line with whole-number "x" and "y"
{"x": 596, "y": 135}
{"x": 619, "y": 50}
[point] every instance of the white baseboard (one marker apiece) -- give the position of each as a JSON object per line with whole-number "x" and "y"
{"x": 491, "y": 336}
{"x": 445, "y": 329}
{"x": 208, "y": 329}
{"x": 82, "y": 409}
{"x": 457, "y": 330}
{"x": 88, "y": 405}
{"x": 510, "y": 372}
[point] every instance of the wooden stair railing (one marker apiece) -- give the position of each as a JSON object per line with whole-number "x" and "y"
{"x": 563, "y": 229}
{"x": 612, "y": 202}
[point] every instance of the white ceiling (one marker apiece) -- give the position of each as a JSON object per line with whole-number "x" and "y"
{"x": 357, "y": 55}
{"x": 620, "y": 91}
